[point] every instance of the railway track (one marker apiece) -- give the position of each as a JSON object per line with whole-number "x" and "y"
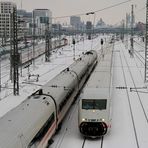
{"x": 144, "y": 110}
{"x": 137, "y": 98}
{"x": 67, "y": 123}
{"x": 129, "y": 103}
{"x": 142, "y": 61}
{"x": 93, "y": 143}
{"x": 139, "y": 68}
{"x": 140, "y": 57}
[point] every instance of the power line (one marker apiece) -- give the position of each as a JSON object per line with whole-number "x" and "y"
{"x": 138, "y": 11}
{"x": 81, "y": 14}
{"x": 139, "y": 44}
{"x": 141, "y": 9}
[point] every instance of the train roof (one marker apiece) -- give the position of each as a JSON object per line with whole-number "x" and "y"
{"x": 60, "y": 86}
{"x": 99, "y": 83}
{"x": 96, "y": 93}
{"x": 68, "y": 79}
{"x": 17, "y": 126}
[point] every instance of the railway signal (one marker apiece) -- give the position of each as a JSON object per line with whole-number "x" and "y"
{"x": 102, "y": 47}
{"x": 73, "y": 42}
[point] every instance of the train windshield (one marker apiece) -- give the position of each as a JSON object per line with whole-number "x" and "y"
{"x": 94, "y": 104}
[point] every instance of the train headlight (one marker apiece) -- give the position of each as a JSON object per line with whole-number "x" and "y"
{"x": 94, "y": 111}
{"x": 83, "y": 119}
{"x": 103, "y": 119}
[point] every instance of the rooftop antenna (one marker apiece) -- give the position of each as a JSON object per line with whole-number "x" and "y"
{"x": 21, "y": 4}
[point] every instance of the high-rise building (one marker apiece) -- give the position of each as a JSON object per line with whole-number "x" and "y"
{"x": 75, "y": 21}
{"x": 41, "y": 18}
{"x": 26, "y": 24}
{"x": 6, "y": 8}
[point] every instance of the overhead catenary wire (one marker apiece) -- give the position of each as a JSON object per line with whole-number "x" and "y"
{"x": 141, "y": 9}
{"x": 96, "y": 11}
{"x": 139, "y": 44}
{"x": 138, "y": 11}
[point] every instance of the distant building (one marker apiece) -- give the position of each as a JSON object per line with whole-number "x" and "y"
{"x": 75, "y": 21}
{"x": 88, "y": 25}
{"x": 128, "y": 20}
{"x": 100, "y": 23}
{"x": 89, "y": 28}
{"x": 42, "y": 17}
{"x": 26, "y": 22}
{"x": 140, "y": 27}
{"x": 6, "y": 8}
{"x": 25, "y": 14}
{"x": 56, "y": 27}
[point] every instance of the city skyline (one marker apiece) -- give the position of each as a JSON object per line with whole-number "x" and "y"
{"x": 69, "y": 7}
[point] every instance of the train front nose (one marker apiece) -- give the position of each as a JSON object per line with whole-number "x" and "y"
{"x": 93, "y": 129}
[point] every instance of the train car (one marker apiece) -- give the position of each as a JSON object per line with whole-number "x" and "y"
{"x": 33, "y": 123}
{"x": 94, "y": 114}
{"x": 27, "y": 56}
{"x": 59, "y": 43}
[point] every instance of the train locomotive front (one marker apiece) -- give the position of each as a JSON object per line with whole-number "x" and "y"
{"x": 94, "y": 114}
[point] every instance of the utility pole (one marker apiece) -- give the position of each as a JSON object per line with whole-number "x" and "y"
{"x": 93, "y": 29}
{"x": 126, "y": 31}
{"x": 146, "y": 46}
{"x": 21, "y": 4}
{"x": 48, "y": 46}
{"x": 132, "y": 32}
{"x": 11, "y": 47}
{"x": 123, "y": 30}
{"x": 59, "y": 35}
{"x": 15, "y": 55}
{"x": 33, "y": 55}
{"x": 26, "y": 46}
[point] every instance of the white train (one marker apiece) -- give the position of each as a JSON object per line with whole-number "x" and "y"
{"x": 59, "y": 43}
{"x": 94, "y": 114}
{"x": 33, "y": 123}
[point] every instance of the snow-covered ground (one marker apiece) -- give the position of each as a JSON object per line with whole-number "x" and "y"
{"x": 130, "y": 105}
{"x": 130, "y": 109}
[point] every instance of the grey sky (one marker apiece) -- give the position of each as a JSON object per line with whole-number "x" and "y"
{"x": 70, "y": 7}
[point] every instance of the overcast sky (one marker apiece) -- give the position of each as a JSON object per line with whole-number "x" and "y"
{"x": 71, "y": 7}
